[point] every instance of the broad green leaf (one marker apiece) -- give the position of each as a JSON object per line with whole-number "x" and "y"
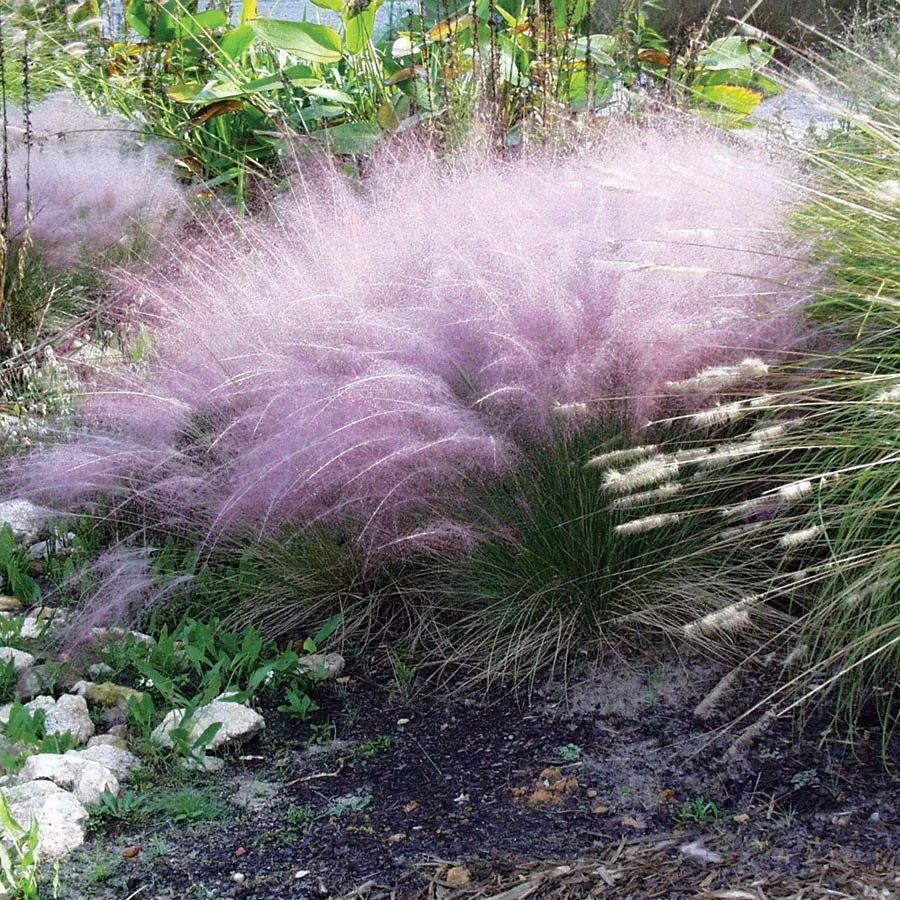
{"x": 387, "y": 117}
{"x": 358, "y": 30}
{"x": 509, "y": 71}
{"x": 237, "y": 41}
{"x": 308, "y": 40}
{"x": 328, "y": 629}
{"x": 351, "y": 138}
{"x": 317, "y": 111}
{"x": 156, "y": 20}
{"x": 205, "y": 738}
{"x": 569, "y": 13}
{"x": 737, "y": 99}
{"x": 740, "y": 77}
{"x": 138, "y": 17}
{"x": 734, "y": 52}
{"x": 334, "y": 5}
{"x": 208, "y": 19}
{"x": 600, "y": 48}
{"x": 188, "y": 92}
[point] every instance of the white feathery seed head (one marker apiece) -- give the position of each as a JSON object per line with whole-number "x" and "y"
{"x": 615, "y": 457}
{"x": 891, "y": 395}
{"x": 761, "y": 402}
{"x": 716, "y": 378}
{"x": 768, "y": 433}
{"x": 731, "y": 618}
{"x": 889, "y": 192}
{"x": 728, "y": 453}
{"x": 692, "y": 454}
{"x": 650, "y": 471}
{"x": 728, "y": 534}
{"x": 720, "y": 415}
{"x": 869, "y": 591}
{"x": 744, "y": 508}
{"x": 803, "y": 536}
{"x": 795, "y": 490}
{"x": 663, "y": 492}
{"x": 648, "y": 523}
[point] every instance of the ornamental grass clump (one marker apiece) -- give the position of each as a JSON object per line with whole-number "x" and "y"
{"x": 810, "y": 476}
{"x": 80, "y": 183}
{"x": 360, "y": 357}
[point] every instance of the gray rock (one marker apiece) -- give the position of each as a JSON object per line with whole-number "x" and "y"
{"x": 321, "y": 666}
{"x": 41, "y": 621}
{"x": 107, "y": 740}
{"x": 85, "y": 777}
{"x": 20, "y": 659}
{"x": 114, "y": 633}
{"x": 237, "y": 722}
{"x": 60, "y": 816}
{"x": 99, "y": 671}
{"x": 43, "y": 550}
{"x": 37, "y": 680}
{"x": 798, "y": 116}
{"x": 206, "y": 763}
{"x": 115, "y": 758}
{"x": 25, "y": 519}
{"x": 254, "y": 795}
{"x": 68, "y": 714}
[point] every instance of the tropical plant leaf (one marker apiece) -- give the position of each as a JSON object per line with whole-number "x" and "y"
{"x": 734, "y": 52}
{"x": 237, "y": 41}
{"x": 358, "y": 30}
{"x": 308, "y": 40}
{"x": 741, "y": 100}
{"x": 350, "y": 138}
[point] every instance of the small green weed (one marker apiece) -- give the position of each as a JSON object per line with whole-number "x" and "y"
{"x": 698, "y": 812}
{"x": 28, "y": 729}
{"x": 323, "y": 733}
{"x": 375, "y": 747}
{"x": 404, "y": 673}
{"x": 167, "y": 803}
{"x": 9, "y": 678}
{"x": 19, "y": 865}
{"x": 299, "y": 705}
{"x": 570, "y": 753}
{"x": 14, "y": 568}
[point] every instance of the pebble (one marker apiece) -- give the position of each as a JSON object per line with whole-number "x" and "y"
{"x": 239, "y": 877}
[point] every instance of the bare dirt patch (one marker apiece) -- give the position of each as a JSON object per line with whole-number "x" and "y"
{"x": 591, "y": 792}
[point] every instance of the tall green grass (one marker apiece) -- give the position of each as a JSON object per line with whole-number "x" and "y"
{"x": 813, "y": 506}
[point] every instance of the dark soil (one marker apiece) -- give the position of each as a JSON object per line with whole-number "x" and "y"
{"x": 411, "y": 788}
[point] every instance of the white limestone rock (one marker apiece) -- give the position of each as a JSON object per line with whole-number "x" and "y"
{"x": 85, "y": 777}
{"x": 25, "y": 519}
{"x": 68, "y": 714}
{"x": 237, "y": 720}
{"x": 20, "y": 659}
{"x": 60, "y": 816}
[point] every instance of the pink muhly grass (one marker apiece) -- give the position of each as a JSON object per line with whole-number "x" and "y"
{"x": 93, "y": 184}
{"x": 363, "y": 354}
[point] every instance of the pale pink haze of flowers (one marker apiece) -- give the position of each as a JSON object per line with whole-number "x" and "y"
{"x": 356, "y": 358}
